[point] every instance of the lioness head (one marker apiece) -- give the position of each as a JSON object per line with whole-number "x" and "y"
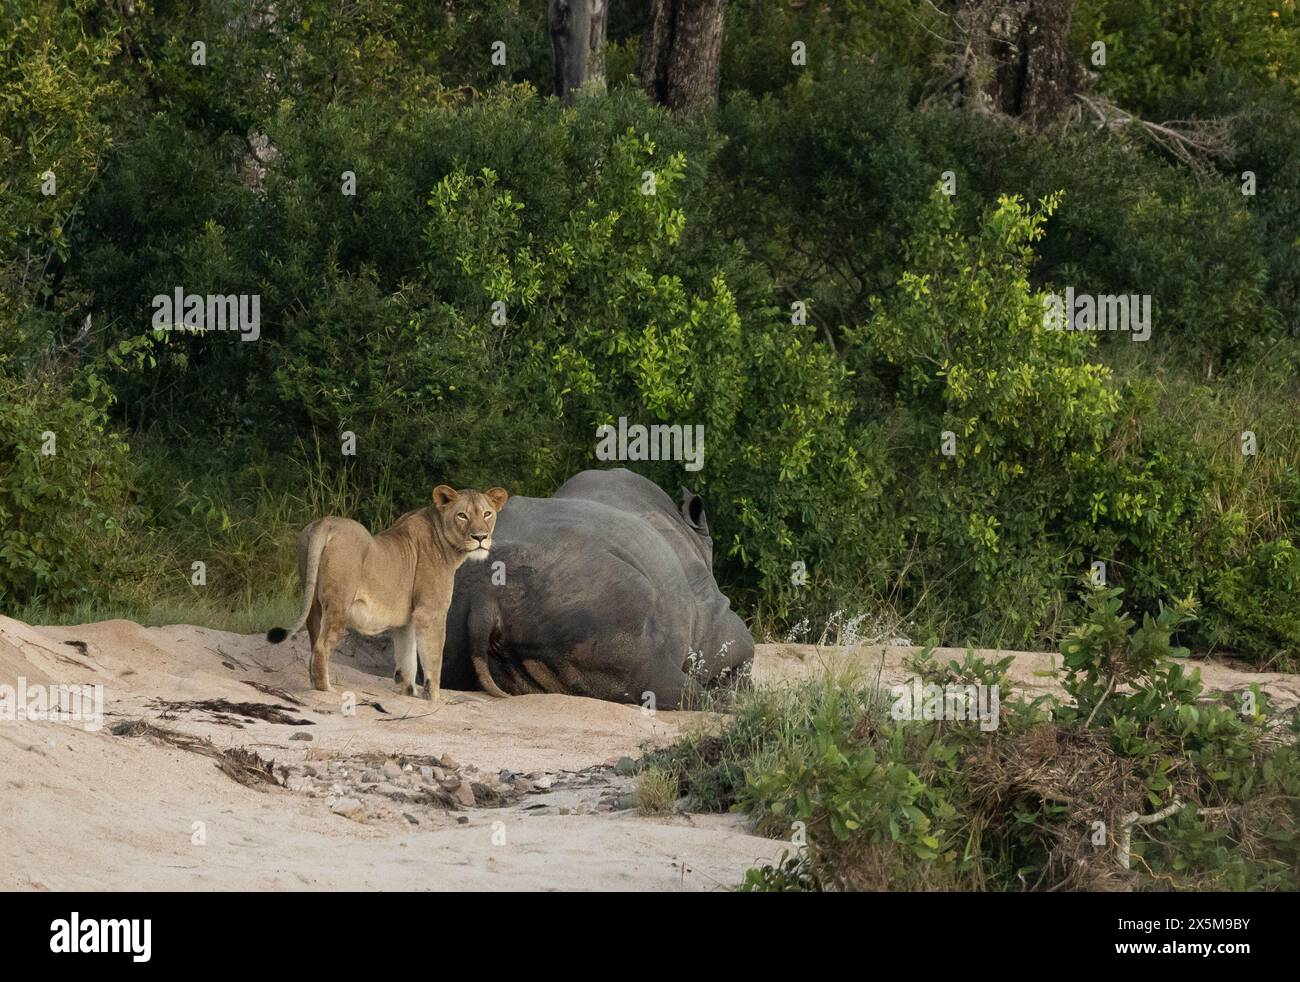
{"x": 467, "y": 518}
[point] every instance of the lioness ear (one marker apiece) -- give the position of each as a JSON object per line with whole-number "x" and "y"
{"x": 497, "y": 496}
{"x": 443, "y": 496}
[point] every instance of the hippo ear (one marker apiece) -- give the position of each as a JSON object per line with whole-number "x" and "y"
{"x": 693, "y": 511}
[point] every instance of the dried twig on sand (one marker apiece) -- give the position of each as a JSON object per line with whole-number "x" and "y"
{"x": 271, "y": 690}
{"x": 223, "y": 709}
{"x": 245, "y": 766}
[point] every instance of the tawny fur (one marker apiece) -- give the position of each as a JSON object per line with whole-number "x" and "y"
{"x": 399, "y": 580}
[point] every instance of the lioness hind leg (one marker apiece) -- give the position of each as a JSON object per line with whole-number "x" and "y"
{"x": 321, "y": 650}
{"x": 404, "y": 654}
{"x": 314, "y": 622}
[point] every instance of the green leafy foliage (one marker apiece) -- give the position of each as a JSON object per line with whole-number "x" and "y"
{"x": 1155, "y": 48}
{"x": 65, "y": 480}
{"x": 512, "y": 273}
{"x": 887, "y": 803}
{"x": 816, "y": 183}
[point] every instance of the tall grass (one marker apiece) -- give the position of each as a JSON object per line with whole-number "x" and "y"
{"x": 242, "y": 525}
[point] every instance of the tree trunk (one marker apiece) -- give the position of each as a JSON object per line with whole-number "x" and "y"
{"x": 1018, "y": 57}
{"x": 681, "y": 48}
{"x": 577, "y": 30}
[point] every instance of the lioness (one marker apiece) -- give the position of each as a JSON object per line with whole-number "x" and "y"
{"x": 399, "y": 580}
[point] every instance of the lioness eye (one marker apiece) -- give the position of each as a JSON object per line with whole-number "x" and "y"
{"x": 487, "y": 514}
{"x": 462, "y": 516}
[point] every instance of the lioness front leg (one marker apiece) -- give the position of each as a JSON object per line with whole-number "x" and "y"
{"x": 404, "y": 654}
{"x": 430, "y": 638}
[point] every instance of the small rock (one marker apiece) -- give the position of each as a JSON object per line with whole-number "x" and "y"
{"x": 449, "y": 762}
{"x": 301, "y": 736}
{"x": 625, "y": 767}
{"x": 310, "y": 771}
{"x": 391, "y": 770}
{"x": 450, "y": 783}
{"x": 566, "y": 810}
{"x": 438, "y": 773}
{"x": 506, "y": 776}
{"x": 523, "y": 785}
{"x": 371, "y": 777}
{"x": 426, "y": 772}
{"x": 462, "y": 819}
{"x": 465, "y": 795}
{"x": 542, "y": 782}
{"x": 624, "y": 802}
{"x": 410, "y": 818}
{"x": 349, "y": 808}
{"x": 336, "y": 789}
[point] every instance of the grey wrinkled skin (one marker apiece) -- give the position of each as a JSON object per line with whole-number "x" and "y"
{"x": 608, "y": 593}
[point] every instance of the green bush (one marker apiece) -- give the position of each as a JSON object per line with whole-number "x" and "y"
{"x": 1242, "y": 761}
{"x": 897, "y": 804}
{"x": 963, "y": 346}
{"x": 812, "y": 183}
{"x": 1256, "y": 604}
{"x": 853, "y": 135}
{"x": 378, "y": 314}
{"x": 65, "y": 498}
{"x": 1156, "y": 48}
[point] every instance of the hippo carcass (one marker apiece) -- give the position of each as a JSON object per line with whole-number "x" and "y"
{"x": 604, "y": 590}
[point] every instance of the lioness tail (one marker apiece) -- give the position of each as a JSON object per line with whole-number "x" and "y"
{"x": 316, "y": 545}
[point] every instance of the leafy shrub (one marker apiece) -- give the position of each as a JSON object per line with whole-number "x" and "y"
{"x": 757, "y": 47}
{"x": 1155, "y": 48}
{"x": 963, "y": 345}
{"x": 1255, "y": 603}
{"x": 793, "y": 874}
{"x": 813, "y": 183}
{"x": 1196, "y": 752}
{"x": 897, "y": 804}
{"x": 378, "y": 314}
{"x": 63, "y": 513}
